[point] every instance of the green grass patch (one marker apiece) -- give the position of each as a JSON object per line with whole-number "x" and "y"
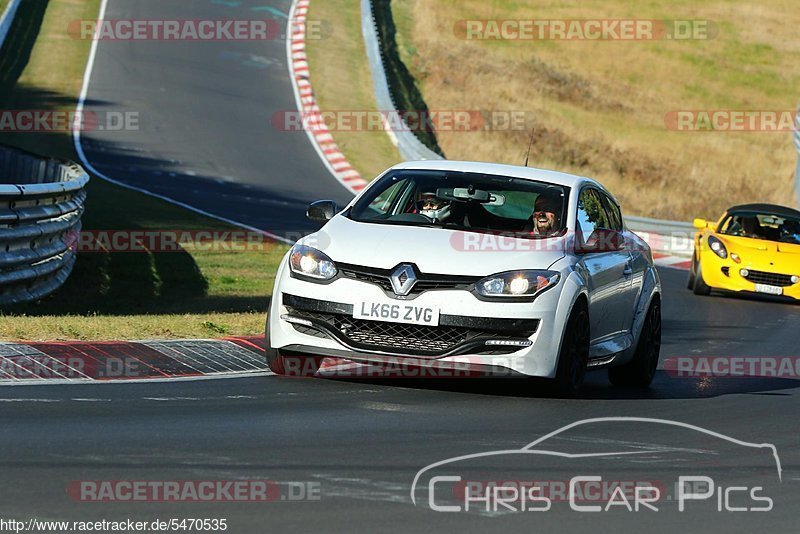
{"x": 342, "y": 81}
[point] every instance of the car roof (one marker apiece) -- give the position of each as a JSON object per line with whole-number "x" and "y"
{"x": 771, "y": 209}
{"x": 514, "y": 171}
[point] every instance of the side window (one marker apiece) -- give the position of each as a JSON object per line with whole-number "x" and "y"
{"x": 591, "y": 214}
{"x": 384, "y": 202}
{"x": 614, "y": 214}
{"x": 729, "y": 226}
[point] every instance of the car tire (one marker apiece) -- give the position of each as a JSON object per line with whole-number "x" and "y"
{"x": 700, "y": 286}
{"x": 574, "y": 355}
{"x": 639, "y": 372}
{"x": 692, "y": 274}
{"x": 284, "y": 365}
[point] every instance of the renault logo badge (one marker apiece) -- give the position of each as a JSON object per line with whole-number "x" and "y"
{"x": 403, "y": 279}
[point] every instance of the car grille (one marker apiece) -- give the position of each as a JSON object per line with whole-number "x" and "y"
{"x": 772, "y": 279}
{"x": 407, "y": 338}
{"x": 425, "y": 282}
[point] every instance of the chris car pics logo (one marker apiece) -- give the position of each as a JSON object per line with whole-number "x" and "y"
{"x": 698, "y": 479}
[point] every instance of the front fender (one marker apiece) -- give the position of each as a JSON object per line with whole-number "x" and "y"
{"x": 274, "y": 303}
{"x": 651, "y": 287}
{"x": 574, "y": 288}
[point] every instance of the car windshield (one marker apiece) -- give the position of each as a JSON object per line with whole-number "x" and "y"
{"x": 465, "y": 201}
{"x": 766, "y": 226}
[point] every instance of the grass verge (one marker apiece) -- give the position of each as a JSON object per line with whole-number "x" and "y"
{"x": 342, "y": 81}
{"x": 192, "y": 292}
{"x": 602, "y": 108}
{"x": 599, "y": 107}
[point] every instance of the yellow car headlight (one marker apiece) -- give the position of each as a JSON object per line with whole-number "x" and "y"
{"x": 717, "y": 247}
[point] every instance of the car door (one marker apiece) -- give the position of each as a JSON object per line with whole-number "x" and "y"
{"x": 605, "y": 269}
{"x": 637, "y": 263}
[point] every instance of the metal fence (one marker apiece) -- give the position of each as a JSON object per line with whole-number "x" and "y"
{"x": 41, "y": 203}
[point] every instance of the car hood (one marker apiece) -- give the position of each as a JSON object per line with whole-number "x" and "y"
{"x": 769, "y": 255}
{"x": 432, "y": 250}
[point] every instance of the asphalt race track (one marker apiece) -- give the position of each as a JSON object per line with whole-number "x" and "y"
{"x": 362, "y": 442}
{"x": 353, "y": 447}
{"x": 205, "y": 135}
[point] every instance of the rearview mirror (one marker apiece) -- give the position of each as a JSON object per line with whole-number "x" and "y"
{"x": 322, "y": 210}
{"x": 700, "y": 224}
{"x": 478, "y": 195}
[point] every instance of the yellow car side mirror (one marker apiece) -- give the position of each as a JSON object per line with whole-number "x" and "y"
{"x": 700, "y": 224}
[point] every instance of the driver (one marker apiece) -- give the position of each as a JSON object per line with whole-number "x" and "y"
{"x": 435, "y": 208}
{"x": 545, "y": 214}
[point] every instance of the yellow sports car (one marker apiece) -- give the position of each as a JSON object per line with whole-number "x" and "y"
{"x": 753, "y": 248}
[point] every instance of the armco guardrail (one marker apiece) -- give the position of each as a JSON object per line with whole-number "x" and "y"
{"x": 410, "y": 147}
{"x": 672, "y": 237}
{"x": 41, "y": 203}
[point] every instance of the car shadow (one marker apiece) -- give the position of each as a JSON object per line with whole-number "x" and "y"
{"x": 665, "y": 386}
{"x": 754, "y": 297}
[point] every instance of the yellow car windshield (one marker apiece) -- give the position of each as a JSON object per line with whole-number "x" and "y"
{"x": 764, "y": 226}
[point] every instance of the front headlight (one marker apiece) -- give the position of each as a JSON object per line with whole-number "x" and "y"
{"x": 717, "y": 247}
{"x": 311, "y": 263}
{"x": 516, "y": 284}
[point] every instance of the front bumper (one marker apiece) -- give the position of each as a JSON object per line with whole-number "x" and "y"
{"x": 455, "y": 334}
{"x": 316, "y": 319}
{"x": 725, "y": 274}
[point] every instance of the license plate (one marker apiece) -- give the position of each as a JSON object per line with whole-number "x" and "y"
{"x": 397, "y": 313}
{"x": 769, "y": 290}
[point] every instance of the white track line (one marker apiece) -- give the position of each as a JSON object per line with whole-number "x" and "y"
{"x": 79, "y": 381}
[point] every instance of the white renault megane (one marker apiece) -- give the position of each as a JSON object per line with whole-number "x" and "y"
{"x": 511, "y": 269}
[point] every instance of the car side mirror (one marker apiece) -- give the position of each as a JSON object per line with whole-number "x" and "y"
{"x": 601, "y": 240}
{"x": 700, "y": 224}
{"x": 322, "y": 210}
